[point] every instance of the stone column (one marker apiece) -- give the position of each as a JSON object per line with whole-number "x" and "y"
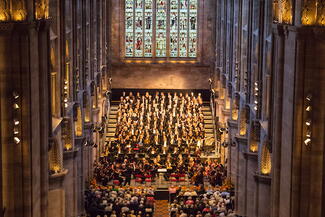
{"x": 25, "y": 165}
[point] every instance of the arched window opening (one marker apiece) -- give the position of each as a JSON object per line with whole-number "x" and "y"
{"x": 235, "y": 107}
{"x": 87, "y": 107}
{"x": 55, "y": 158}
{"x": 266, "y": 161}
{"x": 243, "y": 122}
{"x": 313, "y": 13}
{"x": 66, "y": 84}
{"x": 99, "y": 87}
{"x": 94, "y": 99}
{"x": 77, "y": 120}
{"x": 53, "y": 70}
{"x": 67, "y": 135}
{"x": 161, "y": 28}
{"x": 254, "y": 136}
{"x": 282, "y": 11}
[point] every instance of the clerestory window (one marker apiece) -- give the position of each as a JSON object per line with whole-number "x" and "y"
{"x": 161, "y": 28}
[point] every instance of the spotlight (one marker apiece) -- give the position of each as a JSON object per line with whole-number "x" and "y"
{"x": 307, "y": 141}
{"x": 16, "y": 122}
{"x": 16, "y": 106}
{"x": 15, "y": 95}
{"x": 17, "y": 140}
{"x": 308, "y": 108}
{"x": 16, "y": 131}
{"x": 309, "y": 97}
{"x": 308, "y": 122}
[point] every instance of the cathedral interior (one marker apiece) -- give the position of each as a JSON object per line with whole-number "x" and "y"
{"x": 181, "y": 108}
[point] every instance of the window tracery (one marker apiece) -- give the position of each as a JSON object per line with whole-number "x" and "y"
{"x": 161, "y": 28}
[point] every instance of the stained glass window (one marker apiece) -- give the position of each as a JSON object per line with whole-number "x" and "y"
{"x": 161, "y": 28}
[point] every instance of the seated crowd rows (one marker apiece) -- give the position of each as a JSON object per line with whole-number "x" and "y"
{"x": 201, "y": 203}
{"x": 171, "y": 123}
{"x": 119, "y": 202}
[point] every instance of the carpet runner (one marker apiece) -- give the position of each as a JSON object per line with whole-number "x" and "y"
{"x": 161, "y": 209}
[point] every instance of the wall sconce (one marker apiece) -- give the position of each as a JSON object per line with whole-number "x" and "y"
{"x": 16, "y": 121}
{"x": 308, "y": 121}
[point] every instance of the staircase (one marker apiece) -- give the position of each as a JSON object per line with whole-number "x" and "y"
{"x": 112, "y": 118}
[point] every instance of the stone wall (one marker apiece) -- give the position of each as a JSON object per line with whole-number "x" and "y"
{"x": 163, "y": 76}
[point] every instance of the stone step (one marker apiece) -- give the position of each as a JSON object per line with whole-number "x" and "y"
{"x": 110, "y": 125}
{"x": 112, "y": 121}
{"x": 207, "y": 117}
{"x": 110, "y": 134}
{"x": 207, "y": 113}
{"x": 111, "y": 130}
{"x": 206, "y": 108}
{"x": 113, "y": 112}
{"x": 208, "y": 121}
{"x": 208, "y": 126}
{"x": 111, "y": 116}
{"x": 208, "y": 130}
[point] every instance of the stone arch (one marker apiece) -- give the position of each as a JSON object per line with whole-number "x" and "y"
{"x": 93, "y": 93}
{"x": 254, "y": 137}
{"x": 86, "y": 106}
{"x": 266, "y": 160}
{"x": 242, "y": 122}
{"x": 235, "y": 107}
{"x": 55, "y": 157}
{"x": 99, "y": 87}
{"x": 77, "y": 117}
{"x": 67, "y": 134}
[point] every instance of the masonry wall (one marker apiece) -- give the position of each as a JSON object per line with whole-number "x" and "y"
{"x": 169, "y": 75}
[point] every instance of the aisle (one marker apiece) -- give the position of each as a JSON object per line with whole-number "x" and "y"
{"x": 161, "y": 208}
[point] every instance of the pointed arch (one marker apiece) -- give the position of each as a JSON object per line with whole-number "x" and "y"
{"x": 242, "y": 122}
{"x": 266, "y": 160}
{"x": 55, "y": 157}
{"x": 86, "y": 106}
{"x": 67, "y": 134}
{"x": 254, "y": 137}
{"x": 77, "y": 120}
{"x": 235, "y": 107}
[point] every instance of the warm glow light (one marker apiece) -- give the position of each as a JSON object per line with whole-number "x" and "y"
{"x": 18, "y": 16}
{"x": 253, "y": 148}
{"x": 307, "y": 141}
{"x": 68, "y": 147}
{"x": 56, "y": 168}
{"x": 16, "y": 131}
{"x": 16, "y": 106}
{"x": 3, "y": 16}
{"x": 266, "y": 163}
{"x": 17, "y": 140}
{"x": 16, "y": 122}
{"x": 308, "y": 122}
{"x": 308, "y": 108}
{"x": 15, "y": 95}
